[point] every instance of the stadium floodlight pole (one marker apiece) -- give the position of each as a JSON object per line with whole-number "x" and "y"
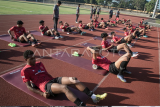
{"x": 155, "y": 8}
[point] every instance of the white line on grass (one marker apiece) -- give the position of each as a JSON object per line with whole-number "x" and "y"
{"x": 15, "y": 8}
{"x": 159, "y": 59}
{"x": 43, "y": 57}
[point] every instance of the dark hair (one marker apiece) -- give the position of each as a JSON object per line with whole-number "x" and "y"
{"x": 41, "y": 21}
{"x": 104, "y": 35}
{"x": 108, "y": 20}
{"x": 124, "y": 28}
{"x": 27, "y": 53}
{"x": 112, "y": 33}
{"x": 92, "y": 6}
{"x": 19, "y": 22}
{"x": 91, "y": 20}
{"x": 80, "y": 21}
{"x": 142, "y": 19}
{"x": 101, "y": 18}
{"x": 59, "y": 2}
{"x": 79, "y": 4}
{"x": 60, "y": 22}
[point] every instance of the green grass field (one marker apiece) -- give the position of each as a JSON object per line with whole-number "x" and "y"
{"x": 158, "y": 21}
{"x": 22, "y": 7}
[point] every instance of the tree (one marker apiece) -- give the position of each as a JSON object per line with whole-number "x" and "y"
{"x": 150, "y": 6}
{"x": 139, "y": 4}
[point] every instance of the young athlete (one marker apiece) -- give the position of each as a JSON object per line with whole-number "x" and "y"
{"x": 66, "y": 27}
{"x": 98, "y": 12}
{"x": 100, "y": 24}
{"x": 106, "y": 23}
{"x": 83, "y": 26}
{"x": 118, "y": 68}
{"x": 118, "y": 20}
{"x": 36, "y": 73}
{"x": 111, "y": 48}
{"x": 91, "y": 13}
{"x": 21, "y": 35}
{"x": 48, "y": 32}
{"x": 130, "y": 34}
{"x": 91, "y": 25}
{"x": 94, "y": 12}
{"x": 113, "y": 22}
{"x": 115, "y": 39}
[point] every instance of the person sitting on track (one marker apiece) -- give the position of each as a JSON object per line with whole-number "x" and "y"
{"x": 126, "y": 33}
{"x": 106, "y": 23}
{"x": 118, "y": 20}
{"x": 48, "y": 32}
{"x": 21, "y": 35}
{"x": 115, "y": 49}
{"x": 99, "y": 24}
{"x": 146, "y": 27}
{"x": 65, "y": 27}
{"x": 35, "y": 74}
{"x": 115, "y": 39}
{"x": 113, "y": 23}
{"x": 83, "y": 26}
{"x": 91, "y": 25}
{"x": 118, "y": 68}
{"x": 124, "y": 21}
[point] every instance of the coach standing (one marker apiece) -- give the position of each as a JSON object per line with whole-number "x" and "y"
{"x": 77, "y": 13}
{"x": 110, "y": 14}
{"x": 117, "y": 15}
{"x": 56, "y": 14}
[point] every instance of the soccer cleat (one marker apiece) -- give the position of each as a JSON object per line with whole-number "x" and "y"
{"x": 33, "y": 44}
{"x": 134, "y": 55}
{"x": 121, "y": 78}
{"x": 135, "y": 52}
{"x": 68, "y": 33}
{"x": 129, "y": 45}
{"x": 145, "y": 36}
{"x": 126, "y": 71}
{"x": 99, "y": 97}
{"x": 75, "y": 54}
{"x": 76, "y": 22}
{"x": 12, "y": 44}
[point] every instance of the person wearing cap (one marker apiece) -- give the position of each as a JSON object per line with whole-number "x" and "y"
{"x": 56, "y": 14}
{"x": 21, "y": 35}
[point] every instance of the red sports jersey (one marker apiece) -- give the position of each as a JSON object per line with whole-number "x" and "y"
{"x": 125, "y": 20}
{"x": 105, "y": 44}
{"x": 63, "y": 27}
{"x": 42, "y": 27}
{"x": 126, "y": 33}
{"x": 18, "y": 31}
{"x": 142, "y": 27}
{"x": 102, "y": 62}
{"x": 115, "y": 38}
{"x": 37, "y": 74}
{"x": 82, "y": 25}
{"x": 117, "y": 18}
{"x": 113, "y": 21}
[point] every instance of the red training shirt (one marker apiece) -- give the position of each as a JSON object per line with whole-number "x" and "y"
{"x": 102, "y": 62}
{"x": 37, "y": 74}
{"x": 126, "y": 33}
{"x": 105, "y": 44}
{"x": 18, "y": 31}
{"x": 115, "y": 38}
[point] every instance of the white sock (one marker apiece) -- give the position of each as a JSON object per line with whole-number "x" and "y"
{"x": 93, "y": 96}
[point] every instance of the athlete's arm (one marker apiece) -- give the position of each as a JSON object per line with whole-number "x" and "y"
{"x": 9, "y": 32}
{"x": 108, "y": 47}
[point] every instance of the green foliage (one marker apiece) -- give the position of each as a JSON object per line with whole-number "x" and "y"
{"x": 150, "y": 5}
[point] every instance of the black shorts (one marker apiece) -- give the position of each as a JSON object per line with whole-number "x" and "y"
{"x": 18, "y": 40}
{"x": 133, "y": 37}
{"x": 123, "y": 40}
{"x": 99, "y": 26}
{"x": 113, "y": 69}
{"x": 86, "y": 27}
{"x": 48, "y": 85}
{"x": 97, "y": 12}
{"x": 113, "y": 49}
{"x": 94, "y": 12}
{"x": 46, "y": 34}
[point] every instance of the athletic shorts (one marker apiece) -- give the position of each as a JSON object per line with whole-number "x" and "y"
{"x": 97, "y": 12}
{"x": 48, "y": 85}
{"x": 98, "y": 26}
{"x": 94, "y": 12}
{"x": 46, "y": 34}
{"x": 86, "y": 27}
{"x": 113, "y": 49}
{"x": 113, "y": 69}
{"x": 18, "y": 40}
{"x": 133, "y": 37}
{"x": 123, "y": 40}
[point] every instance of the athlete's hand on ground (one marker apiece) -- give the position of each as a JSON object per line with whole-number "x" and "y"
{"x": 46, "y": 94}
{"x": 12, "y": 38}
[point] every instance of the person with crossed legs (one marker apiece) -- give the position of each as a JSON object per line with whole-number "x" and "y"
{"x": 35, "y": 74}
